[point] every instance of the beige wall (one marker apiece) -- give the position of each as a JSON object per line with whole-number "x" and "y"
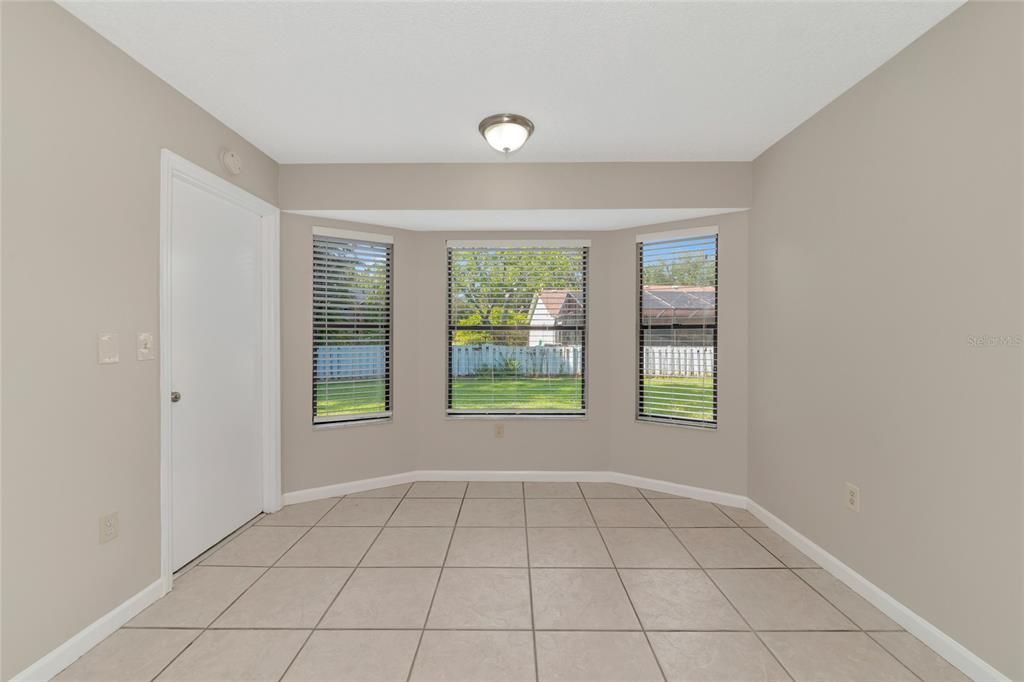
{"x": 83, "y": 126}
{"x": 313, "y": 457}
{"x": 515, "y": 185}
{"x": 886, "y": 232}
{"x": 423, "y": 437}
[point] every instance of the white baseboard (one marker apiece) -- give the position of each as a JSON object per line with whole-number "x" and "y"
{"x": 705, "y": 494}
{"x": 947, "y": 647}
{"x": 67, "y": 653}
{"x": 533, "y": 476}
{"x": 350, "y": 487}
{"x": 339, "y": 489}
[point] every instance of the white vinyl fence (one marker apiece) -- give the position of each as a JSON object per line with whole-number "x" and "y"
{"x": 679, "y": 361}
{"x": 348, "y": 362}
{"x": 367, "y": 362}
{"x": 675, "y": 361}
{"x": 523, "y": 360}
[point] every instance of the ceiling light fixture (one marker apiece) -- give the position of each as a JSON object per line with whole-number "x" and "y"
{"x": 506, "y": 132}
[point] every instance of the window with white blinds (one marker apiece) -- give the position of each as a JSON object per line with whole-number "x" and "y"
{"x": 677, "y": 378}
{"x": 351, "y": 326}
{"x": 517, "y": 328}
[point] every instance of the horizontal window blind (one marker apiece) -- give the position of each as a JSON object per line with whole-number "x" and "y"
{"x": 351, "y": 329}
{"x": 517, "y": 328}
{"x": 677, "y": 378}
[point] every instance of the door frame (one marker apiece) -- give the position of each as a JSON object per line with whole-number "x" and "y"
{"x": 174, "y": 167}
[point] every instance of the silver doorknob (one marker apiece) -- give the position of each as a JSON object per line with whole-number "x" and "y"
{"x": 175, "y": 396}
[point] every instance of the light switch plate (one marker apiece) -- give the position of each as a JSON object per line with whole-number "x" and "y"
{"x": 144, "y": 346}
{"x": 106, "y": 349}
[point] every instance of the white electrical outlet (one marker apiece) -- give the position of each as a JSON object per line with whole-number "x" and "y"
{"x": 499, "y": 430}
{"x": 110, "y": 526}
{"x": 852, "y": 497}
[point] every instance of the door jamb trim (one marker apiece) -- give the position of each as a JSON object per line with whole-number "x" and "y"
{"x": 174, "y": 167}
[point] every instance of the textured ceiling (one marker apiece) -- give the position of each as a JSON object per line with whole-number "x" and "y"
{"x": 360, "y": 82}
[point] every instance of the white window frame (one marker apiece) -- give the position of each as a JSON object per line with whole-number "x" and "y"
{"x": 335, "y": 421}
{"x": 671, "y": 235}
{"x": 585, "y": 374}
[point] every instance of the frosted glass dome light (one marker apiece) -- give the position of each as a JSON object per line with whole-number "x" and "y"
{"x": 506, "y": 132}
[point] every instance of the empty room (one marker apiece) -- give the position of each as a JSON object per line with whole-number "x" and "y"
{"x": 511, "y": 340}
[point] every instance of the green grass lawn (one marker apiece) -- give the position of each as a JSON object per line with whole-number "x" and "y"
{"x": 550, "y": 393}
{"x": 516, "y": 393}
{"x": 349, "y": 397}
{"x": 662, "y": 397}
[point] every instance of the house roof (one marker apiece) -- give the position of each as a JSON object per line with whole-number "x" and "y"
{"x": 669, "y": 303}
{"x": 665, "y": 303}
{"x": 555, "y": 300}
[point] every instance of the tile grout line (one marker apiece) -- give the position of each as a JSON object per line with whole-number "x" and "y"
{"x": 618, "y": 574}
{"x": 437, "y": 583}
{"x": 795, "y": 570}
{"x": 204, "y": 629}
{"x": 726, "y": 597}
{"x": 290, "y": 547}
{"x": 768, "y": 549}
{"x": 343, "y": 584}
{"x": 529, "y": 583}
{"x": 886, "y": 650}
{"x": 209, "y": 552}
{"x": 829, "y": 601}
{"x": 266, "y": 569}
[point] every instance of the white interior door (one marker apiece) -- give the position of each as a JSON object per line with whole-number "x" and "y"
{"x": 216, "y": 359}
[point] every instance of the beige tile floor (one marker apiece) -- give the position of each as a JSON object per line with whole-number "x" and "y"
{"x": 509, "y": 581}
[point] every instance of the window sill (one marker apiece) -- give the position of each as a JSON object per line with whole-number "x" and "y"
{"x": 517, "y": 417}
{"x": 328, "y": 426}
{"x": 677, "y": 424}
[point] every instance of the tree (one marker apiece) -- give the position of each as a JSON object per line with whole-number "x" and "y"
{"x": 350, "y": 301}
{"x": 683, "y": 272}
{"x": 498, "y": 288}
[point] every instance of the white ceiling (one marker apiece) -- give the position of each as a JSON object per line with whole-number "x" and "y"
{"x": 386, "y": 82}
{"x": 520, "y": 219}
